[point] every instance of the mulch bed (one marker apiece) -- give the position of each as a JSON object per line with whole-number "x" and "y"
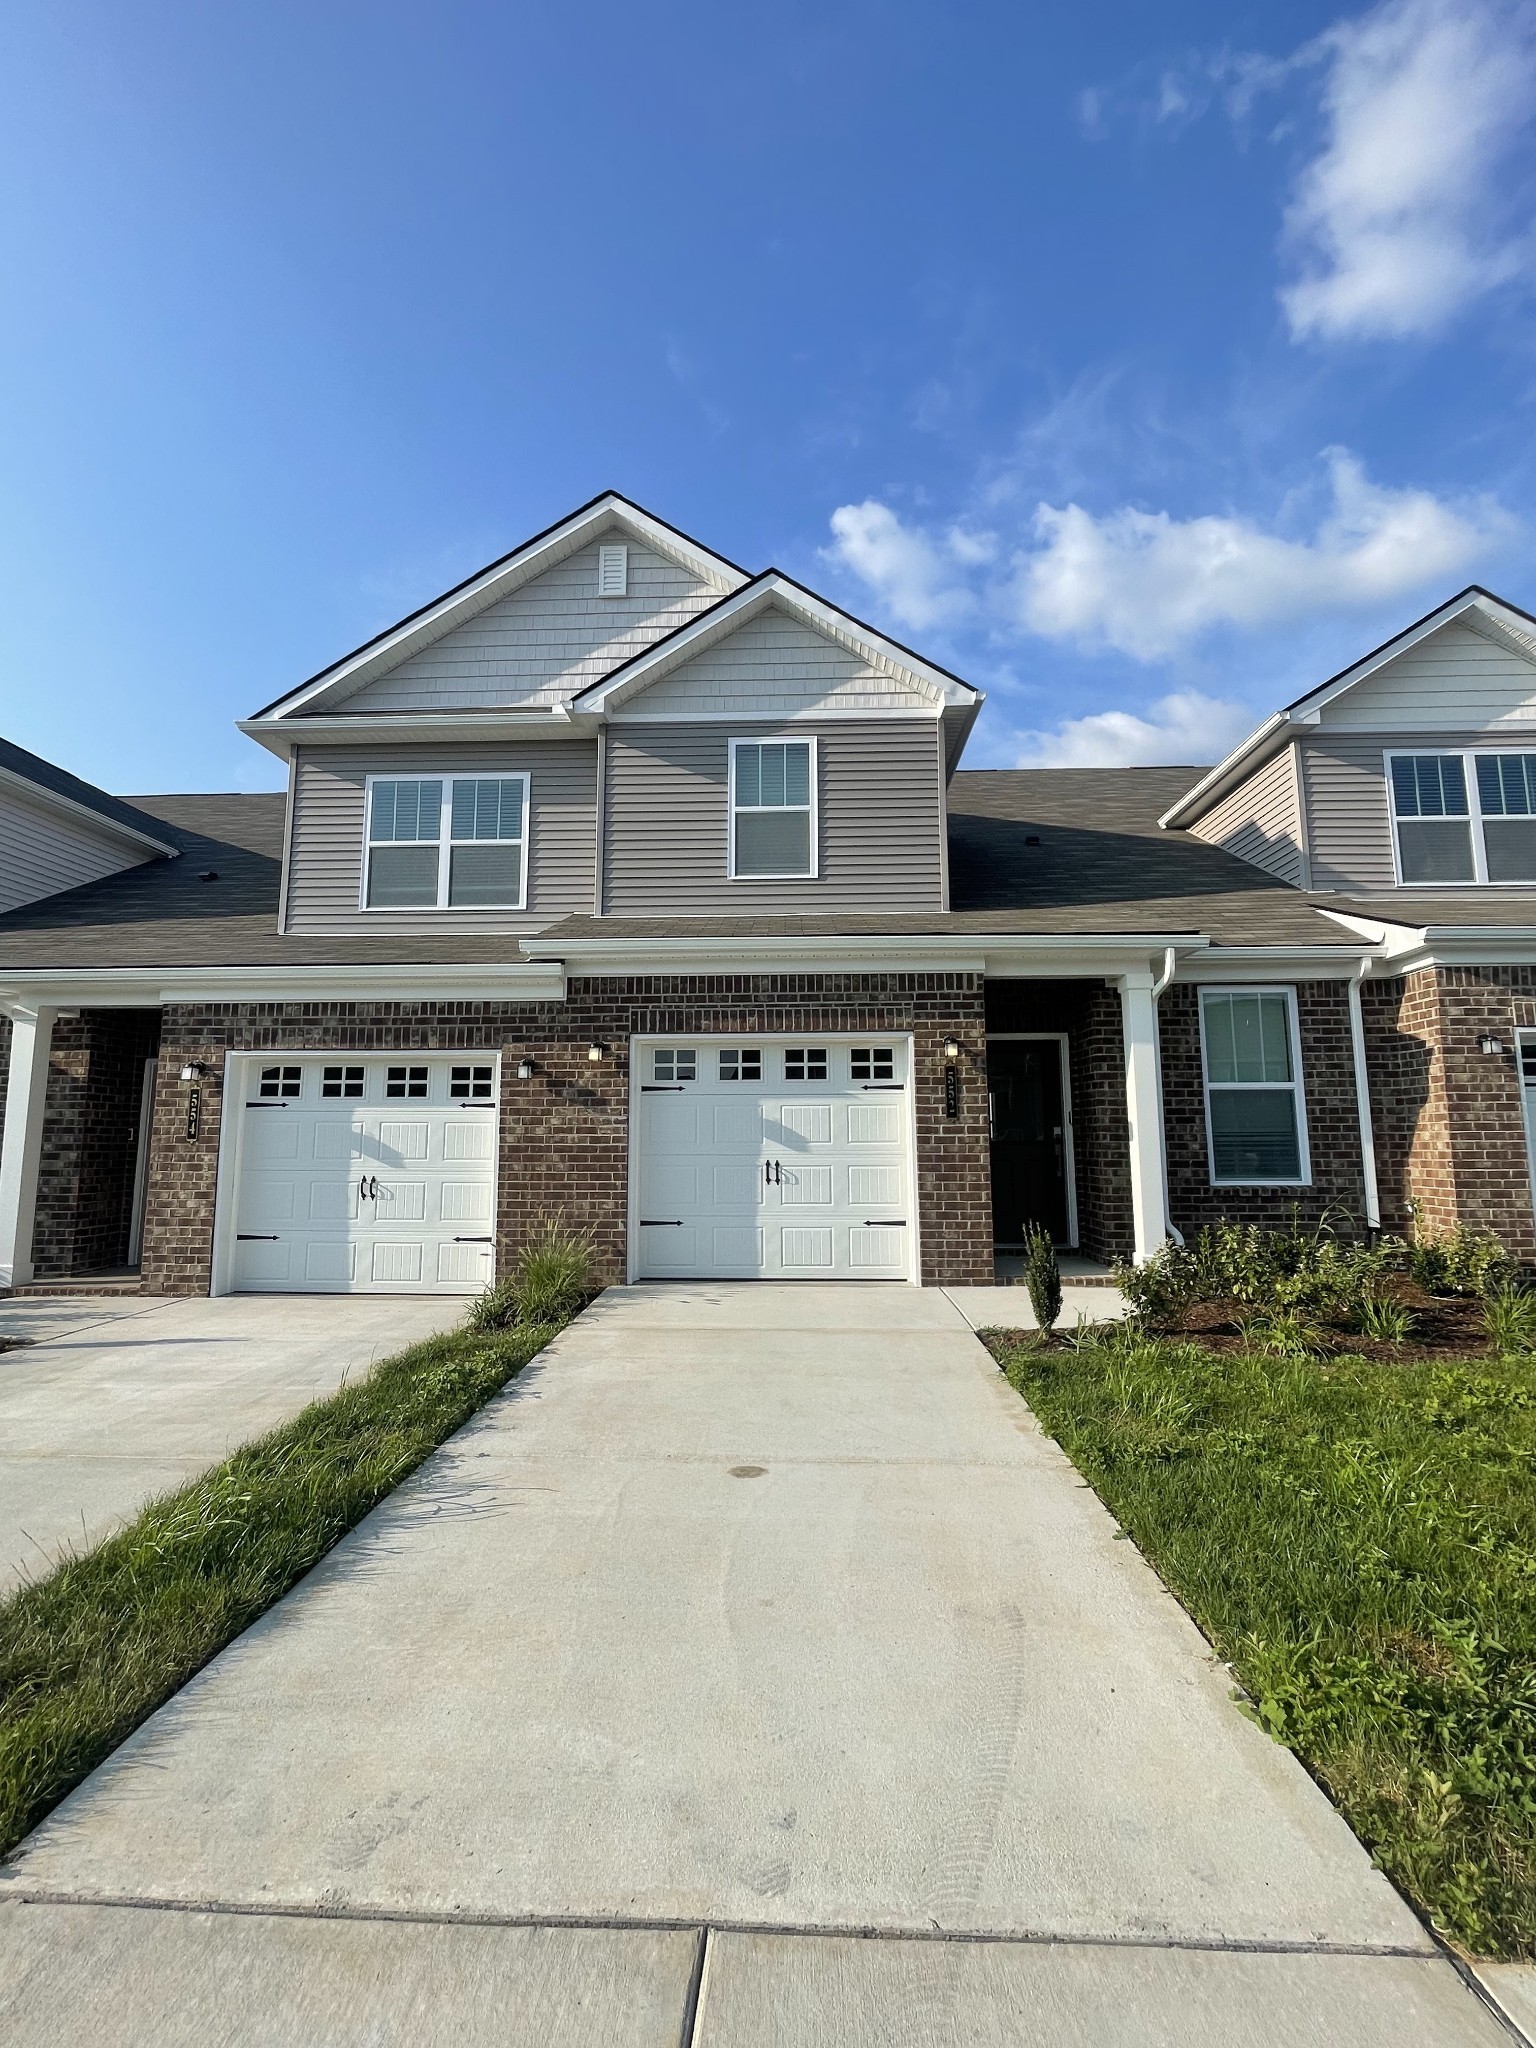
{"x": 1445, "y": 1326}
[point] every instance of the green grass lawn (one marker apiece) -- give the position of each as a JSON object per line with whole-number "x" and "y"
{"x": 91, "y": 1651}
{"x": 1359, "y": 1540}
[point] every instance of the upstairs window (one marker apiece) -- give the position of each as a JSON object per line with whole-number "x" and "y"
{"x": 1463, "y": 818}
{"x": 1254, "y": 1111}
{"x": 773, "y": 809}
{"x": 456, "y": 843}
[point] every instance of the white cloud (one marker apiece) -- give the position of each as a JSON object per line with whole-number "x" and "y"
{"x": 1148, "y": 584}
{"x": 1182, "y": 727}
{"x": 919, "y": 579}
{"x": 1392, "y": 219}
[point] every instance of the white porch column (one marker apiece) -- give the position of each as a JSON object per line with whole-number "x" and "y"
{"x": 22, "y": 1144}
{"x": 1143, "y": 1101}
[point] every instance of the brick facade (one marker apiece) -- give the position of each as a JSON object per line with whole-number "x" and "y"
{"x": 1450, "y": 1125}
{"x": 564, "y": 1134}
{"x": 1333, "y": 1119}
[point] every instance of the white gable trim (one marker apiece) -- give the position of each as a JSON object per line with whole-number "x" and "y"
{"x": 115, "y": 833}
{"x": 933, "y": 687}
{"x": 1477, "y": 608}
{"x": 388, "y": 649}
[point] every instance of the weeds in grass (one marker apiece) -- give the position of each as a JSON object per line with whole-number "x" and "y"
{"x": 1359, "y": 1540}
{"x": 1042, "y": 1276}
{"x": 551, "y": 1277}
{"x": 89, "y": 1652}
{"x": 1287, "y": 1333}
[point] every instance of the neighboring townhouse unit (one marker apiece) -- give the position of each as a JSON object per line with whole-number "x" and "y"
{"x": 623, "y": 885}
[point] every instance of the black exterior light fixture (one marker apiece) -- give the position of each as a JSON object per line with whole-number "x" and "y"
{"x": 597, "y": 1052}
{"x": 1488, "y": 1042}
{"x": 525, "y": 1070}
{"x": 194, "y": 1070}
{"x": 951, "y": 1048}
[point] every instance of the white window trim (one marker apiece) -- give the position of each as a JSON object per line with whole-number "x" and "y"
{"x": 445, "y": 843}
{"x": 813, "y": 872}
{"x": 1468, "y": 756}
{"x": 1298, "y": 1087}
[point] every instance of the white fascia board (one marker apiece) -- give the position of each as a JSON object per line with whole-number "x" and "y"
{"x": 999, "y": 954}
{"x": 1274, "y": 963}
{"x": 545, "y": 722}
{"x": 1252, "y": 752}
{"x": 764, "y": 592}
{"x": 1246, "y": 756}
{"x": 376, "y": 657}
{"x": 130, "y": 988}
{"x": 44, "y": 799}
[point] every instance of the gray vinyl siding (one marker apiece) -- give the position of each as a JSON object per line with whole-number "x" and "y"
{"x": 547, "y": 640}
{"x": 880, "y": 821}
{"x": 1260, "y": 821}
{"x": 1348, "y": 820}
{"x": 1457, "y": 678}
{"x": 775, "y": 666}
{"x": 326, "y": 855}
{"x": 42, "y": 854}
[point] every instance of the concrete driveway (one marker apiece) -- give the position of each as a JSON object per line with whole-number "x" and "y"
{"x": 114, "y": 1400}
{"x": 751, "y": 1673}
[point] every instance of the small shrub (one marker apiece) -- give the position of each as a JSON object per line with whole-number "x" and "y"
{"x": 1509, "y": 1320}
{"x": 1462, "y": 1262}
{"x": 550, "y": 1279}
{"x": 1385, "y": 1320}
{"x": 1042, "y": 1276}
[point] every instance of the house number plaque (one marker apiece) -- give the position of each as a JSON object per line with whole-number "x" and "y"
{"x": 951, "y": 1092}
{"x": 194, "y": 1111}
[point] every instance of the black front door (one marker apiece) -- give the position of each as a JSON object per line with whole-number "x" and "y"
{"x": 1029, "y": 1139}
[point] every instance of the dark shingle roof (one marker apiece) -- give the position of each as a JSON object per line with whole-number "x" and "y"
{"x": 1101, "y": 866}
{"x": 44, "y": 776}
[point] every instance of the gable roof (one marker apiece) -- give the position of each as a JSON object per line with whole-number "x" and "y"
{"x": 488, "y": 586}
{"x": 57, "y": 790}
{"x": 773, "y": 590}
{"x": 1479, "y": 608}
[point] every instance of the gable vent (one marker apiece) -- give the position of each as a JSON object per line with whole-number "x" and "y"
{"x": 613, "y": 571}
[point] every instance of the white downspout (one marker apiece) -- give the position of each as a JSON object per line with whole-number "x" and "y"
{"x": 1363, "y": 1096}
{"x": 1170, "y": 957}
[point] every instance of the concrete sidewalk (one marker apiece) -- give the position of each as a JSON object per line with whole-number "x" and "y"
{"x": 115, "y": 1399}
{"x": 751, "y": 1672}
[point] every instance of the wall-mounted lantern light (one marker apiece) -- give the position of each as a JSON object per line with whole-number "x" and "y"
{"x": 525, "y": 1070}
{"x": 596, "y": 1052}
{"x": 193, "y": 1071}
{"x": 951, "y": 1048}
{"x": 1488, "y": 1043}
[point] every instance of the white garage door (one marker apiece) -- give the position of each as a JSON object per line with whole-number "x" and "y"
{"x": 778, "y": 1159}
{"x": 369, "y": 1175}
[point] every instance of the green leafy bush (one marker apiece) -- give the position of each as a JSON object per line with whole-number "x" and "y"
{"x": 1042, "y": 1276}
{"x": 1462, "y": 1262}
{"x": 551, "y": 1278}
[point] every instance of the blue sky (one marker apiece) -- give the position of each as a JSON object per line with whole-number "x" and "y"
{"x": 1145, "y": 365}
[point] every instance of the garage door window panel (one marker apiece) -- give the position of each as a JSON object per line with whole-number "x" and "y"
{"x": 773, "y": 810}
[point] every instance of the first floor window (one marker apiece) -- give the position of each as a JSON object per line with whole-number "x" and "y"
{"x": 1253, "y": 1092}
{"x": 773, "y": 808}
{"x": 447, "y": 842}
{"x": 1464, "y": 817}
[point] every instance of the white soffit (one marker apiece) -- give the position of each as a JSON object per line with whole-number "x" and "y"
{"x": 489, "y": 586}
{"x": 935, "y": 687}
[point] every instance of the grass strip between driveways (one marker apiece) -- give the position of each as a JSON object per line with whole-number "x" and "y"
{"x": 91, "y": 1651}
{"x": 1359, "y": 1540}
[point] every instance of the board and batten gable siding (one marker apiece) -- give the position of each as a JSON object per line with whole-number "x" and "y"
{"x": 776, "y": 666}
{"x": 1456, "y": 679}
{"x": 880, "y": 796}
{"x": 1260, "y": 821}
{"x": 546, "y": 641}
{"x": 42, "y": 854}
{"x": 326, "y": 856}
